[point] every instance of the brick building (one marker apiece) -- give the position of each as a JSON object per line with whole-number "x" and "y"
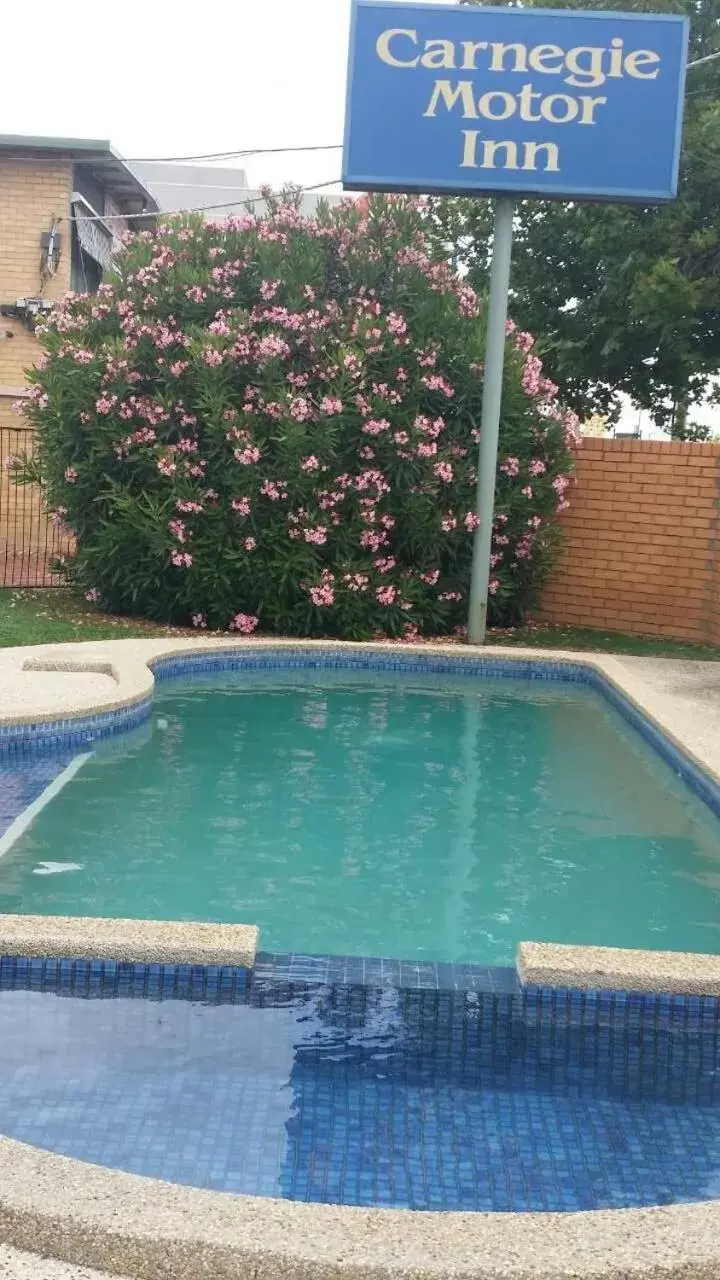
{"x": 55, "y": 194}
{"x": 52, "y": 191}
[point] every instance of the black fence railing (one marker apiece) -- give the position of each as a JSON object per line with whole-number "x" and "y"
{"x": 29, "y": 541}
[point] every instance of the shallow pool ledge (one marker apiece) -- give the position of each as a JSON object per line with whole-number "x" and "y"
{"x": 150, "y": 1230}
{"x": 542, "y": 964}
{"x": 134, "y": 941}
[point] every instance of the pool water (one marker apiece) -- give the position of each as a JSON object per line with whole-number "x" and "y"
{"x": 408, "y": 816}
{"x": 356, "y": 1095}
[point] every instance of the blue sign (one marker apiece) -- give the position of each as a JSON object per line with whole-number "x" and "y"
{"x": 547, "y": 102}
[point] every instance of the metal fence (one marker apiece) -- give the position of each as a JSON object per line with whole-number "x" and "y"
{"x": 29, "y": 542}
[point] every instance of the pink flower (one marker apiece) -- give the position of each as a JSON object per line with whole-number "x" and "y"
{"x": 248, "y": 455}
{"x": 249, "y": 544}
{"x": 531, "y": 376}
{"x": 560, "y": 484}
{"x": 93, "y": 595}
{"x": 241, "y": 505}
{"x": 195, "y": 293}
{"x": 450, "y": 595}
{"x": 385, "y": 563}
{"x": 434, "y": 382}
{"x": 471, "y": 521}
{"x": 537, "y": 467}
{"x": 166, "y": 466}
{"x": 268, "y": 289}
{"x": 493, "y": 585}
{"x": 178, "y": 530}
{"x": 212, "y": 357}
{"x": 310, "y": 464}
{"x": 427, "y": 449}
{"x": 431, "y": 577}
{"x": 375, "y": 426}
{"x": 57, "y": 516}
{"x": 571, "y": 423}
{"x": 524, "y": 341}
{"x": 199, "y": 620}
{"x": 366, "y": 453}
{"x": 527, "y": 491}
{"x": 181, "y": 559}
{"x": 331, "y": 404}
{"x": 300, "y": 409}
{"x": 71, "y": 475}
{"x": 443, "y": 471}
{"x": 449, "y": 523}
{"x": 244, "y": 623}
{"x": 370, "y": 540}
{"x": 317, "y": 535}
{"x": 386, "y": 595}
{"x": 274, "y": 490}
{"x": 188, "y": 507}
{"x": 105, "y": 404}
{"x": 322, "y": 596}
{"x": 272, "y": 348}
{"x": 401, "y": 437}
{"x": 511, "y": 466}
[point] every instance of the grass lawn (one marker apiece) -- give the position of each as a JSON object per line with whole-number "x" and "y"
{"x": 57, "y": 615}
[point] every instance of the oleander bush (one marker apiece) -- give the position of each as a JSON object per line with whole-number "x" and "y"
{"x": 273, "y": 422}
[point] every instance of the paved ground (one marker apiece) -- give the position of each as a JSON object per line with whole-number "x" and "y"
{"x": 15, "y": 1265}
{"x": 690, "y": 691}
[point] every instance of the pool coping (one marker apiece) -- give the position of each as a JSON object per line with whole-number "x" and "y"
{"x": 550, "y": 964}
{"x": 87, "y": 1215}
{"x": 128, "y": 941}
{"x": 153, "y": 1230}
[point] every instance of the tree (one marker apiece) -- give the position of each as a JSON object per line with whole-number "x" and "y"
{"x": 274, "y": 422}
{"x": 623, "y": 298}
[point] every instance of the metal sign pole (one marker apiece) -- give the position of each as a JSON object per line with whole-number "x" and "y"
{"x": 490, "y": 417}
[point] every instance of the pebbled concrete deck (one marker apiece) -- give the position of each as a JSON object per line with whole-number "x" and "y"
{"x": 88, "y": 1217}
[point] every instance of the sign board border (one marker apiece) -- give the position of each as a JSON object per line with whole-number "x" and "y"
{"x": 369, "y": 182}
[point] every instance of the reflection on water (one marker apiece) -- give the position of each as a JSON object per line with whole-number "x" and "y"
{"x": 363, "y": 1096}
{"x": 358, "y": 813}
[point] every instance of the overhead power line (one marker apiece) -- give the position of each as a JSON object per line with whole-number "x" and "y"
{"x": 232, "y": 155}
{"x": 202, "y": 208}
{"x": 88, "y": 158}
{"x": 699, "y": 61}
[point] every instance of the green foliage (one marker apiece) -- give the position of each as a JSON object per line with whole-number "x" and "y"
{"x": 623, "y": 298}
{"x": 274, "y": 422}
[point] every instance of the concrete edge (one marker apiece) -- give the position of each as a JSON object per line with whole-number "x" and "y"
{"x": 152, "y": 1230}
{"x": 545, "y": 964}
{"x": 133, "y": 941}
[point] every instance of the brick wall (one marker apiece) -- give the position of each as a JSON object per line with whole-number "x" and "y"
{"x": 643, "y": 533}
{"x": 32, "y": 193}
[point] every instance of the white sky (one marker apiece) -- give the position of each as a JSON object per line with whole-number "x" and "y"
{"x": 161, "y": 78}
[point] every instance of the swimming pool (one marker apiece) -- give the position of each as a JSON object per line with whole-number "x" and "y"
{"x": 406, "y": 814}
{"x": 535, "y": 1100}
{"x": 331, "y": 1091}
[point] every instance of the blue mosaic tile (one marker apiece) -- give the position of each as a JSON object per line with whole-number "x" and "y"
{"x": 55, "y": 736}
{"x": 377, "y": 971}
{"x": 423, "y": 1098}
